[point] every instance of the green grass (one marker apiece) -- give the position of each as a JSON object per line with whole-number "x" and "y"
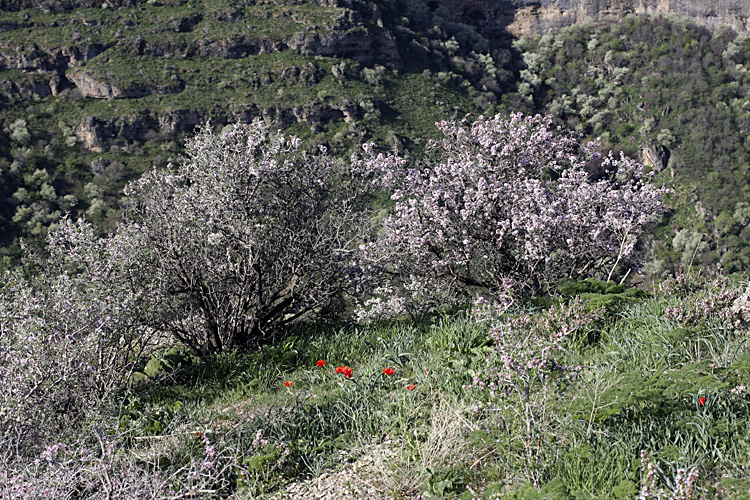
{"x": 638, "y": 388}
{"x": 322, "y": 412}
{"x": 159, "y": 23}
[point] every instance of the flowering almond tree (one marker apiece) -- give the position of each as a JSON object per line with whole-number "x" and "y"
{"x": 247, "y": 233}
{"x": 508, "y": 198}
{"x": 70, "y": 336}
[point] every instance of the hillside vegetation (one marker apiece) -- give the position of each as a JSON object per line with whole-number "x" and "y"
{"x": 677, "y": 96}
{"x": 94, "y": 96}
{"x": 256, "y": 327}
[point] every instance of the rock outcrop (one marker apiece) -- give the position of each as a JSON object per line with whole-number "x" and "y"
{"x": 498, "y": 18}
{"x": 657, "y": 157}
{"x": 30, "y": 86}
{"x": 91, "y": 87}
{"x": 104, "y": 88}
{"x": 98, "y": 135}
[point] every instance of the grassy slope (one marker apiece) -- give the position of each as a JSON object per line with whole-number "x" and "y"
{"x": 638, "y": 388}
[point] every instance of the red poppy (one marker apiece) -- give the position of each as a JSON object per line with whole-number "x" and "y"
{"x": 339, "y": 370}
{"x": 389, "y": 371}
{"x": 411, "y": 387}
{"x": 347, "y": 372}
{"x": 701, "y": 401}
{"x": 288, "y": 383}
{"x": 197, "y": 434}
{"x": 321, "y": 363}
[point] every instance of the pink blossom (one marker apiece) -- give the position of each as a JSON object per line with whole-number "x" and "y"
{"x": 505, "y": 198}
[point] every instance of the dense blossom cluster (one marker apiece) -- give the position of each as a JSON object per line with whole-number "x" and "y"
{"x": 509, "y": 198}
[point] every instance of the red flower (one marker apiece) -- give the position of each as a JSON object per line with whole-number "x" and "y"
{"x": 347, "y": 372}
{"x": 198, "y": 434}
{"x": 321, "y": 363}
{"x": 389, "y": 371}
{"x": 339, "y": 370}
{"x": 288, "y": 383}
{"x": 411, "y": 387}
{"x": 701, "y": 401}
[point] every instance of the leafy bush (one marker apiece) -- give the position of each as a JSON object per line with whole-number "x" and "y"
{"x": 598, "y": 294}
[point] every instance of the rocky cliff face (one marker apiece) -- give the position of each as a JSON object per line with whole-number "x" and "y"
{"x": 133, "y": 49}
{"x": 497, "y": 18}
{"x": 709, "y": 13}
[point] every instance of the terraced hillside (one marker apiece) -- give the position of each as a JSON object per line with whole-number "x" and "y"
{"x": 93, "y": 95}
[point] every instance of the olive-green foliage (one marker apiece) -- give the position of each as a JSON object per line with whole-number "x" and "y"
{"x": 676, "y": 89}
{"x": 601, "y": 294}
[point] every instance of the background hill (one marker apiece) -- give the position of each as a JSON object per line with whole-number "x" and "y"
{"x": 92, "y": 94}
